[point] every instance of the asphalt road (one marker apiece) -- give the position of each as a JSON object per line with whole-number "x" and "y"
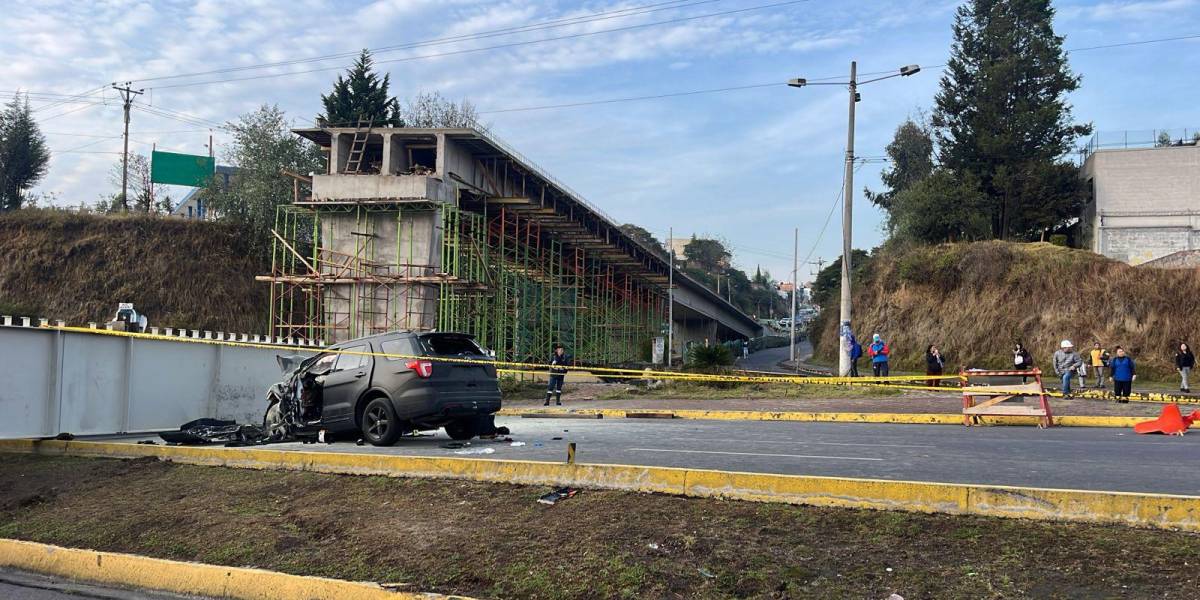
{"x": 1064, "y": 457}
{"x": 17, "y": 585}
{"x": 768, "y": 359}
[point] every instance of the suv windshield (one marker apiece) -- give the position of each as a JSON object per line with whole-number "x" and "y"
{"x": 450, "y": 345}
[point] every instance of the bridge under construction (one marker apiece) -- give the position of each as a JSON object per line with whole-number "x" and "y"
{"x": 450, "y": 229}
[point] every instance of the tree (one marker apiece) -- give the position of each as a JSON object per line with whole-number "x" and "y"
{"x": 911, "y": 154}
{"x": 939, "y": 208}
{"x": 360, "y": 95}
{"x": 263, "y": 146}
{"x": 644, "y": 237}
{"x": 431, "y": 110}
{"x": 1001, "y": 103}
{"x": 826, "y": 288}
{"x": 24, "y": 155}
{"x": 146, "y": 196}
{"x": 707, "y": 255}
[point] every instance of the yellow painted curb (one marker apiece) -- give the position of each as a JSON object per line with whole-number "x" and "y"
{"x": 141, "y": 572}
{"x": 828, "y": 417}
{"x": 1144, "y": 510}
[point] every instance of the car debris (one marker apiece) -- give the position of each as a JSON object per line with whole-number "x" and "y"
{"x": 557, "y": 495}
{"x": 216, "y": 431}
{"x": 517, "y": 444}
{"x": 475, "y": 451}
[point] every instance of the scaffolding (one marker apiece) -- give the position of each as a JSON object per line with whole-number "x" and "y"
{"x": 344, "y": 270}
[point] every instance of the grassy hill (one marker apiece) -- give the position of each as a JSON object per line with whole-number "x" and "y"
{"x": 77, "y": 267}
{"x": 975, "y": 300}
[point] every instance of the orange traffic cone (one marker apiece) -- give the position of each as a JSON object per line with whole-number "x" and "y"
{"x": 1170, "y": 422}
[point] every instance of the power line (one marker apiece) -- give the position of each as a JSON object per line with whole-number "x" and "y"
{"x": 537, "y": 26}
{"x": 498, "y": 46}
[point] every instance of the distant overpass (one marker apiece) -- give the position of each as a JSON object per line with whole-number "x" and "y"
{"x": 485, "y": 238}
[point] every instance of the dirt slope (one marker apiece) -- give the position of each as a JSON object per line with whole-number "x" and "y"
{"x": 77, "y": 267}
{"x": 976, "y": 299}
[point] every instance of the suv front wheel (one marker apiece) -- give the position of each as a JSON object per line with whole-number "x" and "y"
{"x": 462, "y": 429}
{"x": 379, "y": 424}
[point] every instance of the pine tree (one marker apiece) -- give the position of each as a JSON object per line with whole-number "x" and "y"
{"x": 24, "y": 156}
{"x": 1001, "y": 115}
{"x": 911, "y": 154}
{"x": 360, "y": 95}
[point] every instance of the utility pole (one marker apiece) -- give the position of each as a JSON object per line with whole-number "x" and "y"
{"x": 795, "y": 284}
{"x": 127, "y": 95}
{"x": 844, "y": 331}
{"x": 671, "y": 295}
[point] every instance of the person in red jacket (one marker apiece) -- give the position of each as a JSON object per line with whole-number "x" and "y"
{"x": 879, "y": 351}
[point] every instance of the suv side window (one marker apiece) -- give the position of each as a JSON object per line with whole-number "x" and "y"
{"x": 325, "y": 361}
{"x": 346, "y": 362}
{"x": 400, "y": 346}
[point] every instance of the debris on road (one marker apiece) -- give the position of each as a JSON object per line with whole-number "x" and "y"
{"x": 1169, "y": 422}
{"x": 557, "y": 495}
{"x": 475, "y": 451}
{"x": 517, "y": 444}
{"x": 216, "y": 431}
{"x": 453, "y": 445}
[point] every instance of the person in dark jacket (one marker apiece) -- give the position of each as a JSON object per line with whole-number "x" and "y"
{"x": 934, "y": 364}
{"x": 1185, "y": 361}
{"x": 855, "y": 354}
{"x": 559, "y": 361}
{"x": 1123, "y": 374}
{"x": 1022, "y": 360}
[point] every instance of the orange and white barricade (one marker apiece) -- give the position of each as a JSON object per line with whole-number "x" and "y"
{"x": 991, "y": 393}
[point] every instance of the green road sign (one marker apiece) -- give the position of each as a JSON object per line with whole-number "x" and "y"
{"x": 181, "y": 169}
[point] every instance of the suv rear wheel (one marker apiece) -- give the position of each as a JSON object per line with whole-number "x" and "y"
{"x": 379, "y": 424}
{"x": 462, "y": 429}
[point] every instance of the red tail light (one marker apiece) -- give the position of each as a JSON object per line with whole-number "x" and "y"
{"x": 423, "y": 368}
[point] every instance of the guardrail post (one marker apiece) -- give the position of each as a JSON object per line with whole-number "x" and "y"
{"x": 24, "y": 321}
{"x": 43, "y": 322}
{"x": 7, "y": 320}
{"x": 153, "y": 331}
{"x": 60, "y": 323}
{"x": 170, "y": 331}
{"x": 196, "y": 333}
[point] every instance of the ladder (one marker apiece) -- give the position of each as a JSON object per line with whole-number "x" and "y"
{"x": 358, "y": 147}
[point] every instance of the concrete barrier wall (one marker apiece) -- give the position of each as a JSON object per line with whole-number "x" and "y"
{"x": 86, "y": 384}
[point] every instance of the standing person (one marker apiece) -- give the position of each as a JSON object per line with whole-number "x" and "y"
{"x": 1022, "y": 361}
{"x": 1123, "y": 374}
{"x": 856, "y": 353}
{"x": 1099, "y": 362}
{"x": 1185, "y": 361}
{"x": 879, "y": 351}
{"x": 934, "y": 364}
{"x": 559, "y": 361}
{"x": 1066, "y": 364}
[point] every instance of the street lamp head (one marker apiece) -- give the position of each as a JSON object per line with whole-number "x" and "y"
{"x": 910, "y": 70}
{"x": 798, "y": 82}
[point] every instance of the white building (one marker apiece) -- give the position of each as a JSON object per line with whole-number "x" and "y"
{"x": 1144, "y": 202}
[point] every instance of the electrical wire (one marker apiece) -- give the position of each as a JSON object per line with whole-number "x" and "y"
{"x": 496, "y": 47}
{"x": 537, "y": 26}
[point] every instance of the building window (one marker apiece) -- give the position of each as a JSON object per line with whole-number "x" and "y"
{"x": 422, "y": 157}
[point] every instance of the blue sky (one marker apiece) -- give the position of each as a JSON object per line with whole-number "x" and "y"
{"x": 746, "y": 166}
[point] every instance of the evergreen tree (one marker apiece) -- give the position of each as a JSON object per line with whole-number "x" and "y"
{"x": 1002, "y": 118}
{"x": 24, "y": 156}
{"x": 360, "y": 95}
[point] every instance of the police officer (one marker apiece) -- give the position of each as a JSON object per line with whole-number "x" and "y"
{"x": 559, "y": 360}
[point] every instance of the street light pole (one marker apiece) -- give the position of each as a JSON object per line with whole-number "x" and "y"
{"x": 844, "y": 331}
{"x": 795, "y": 274}
{"x": 670, "y": 295}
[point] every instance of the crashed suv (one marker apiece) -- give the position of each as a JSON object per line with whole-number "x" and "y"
{"x": 349, "y": 388}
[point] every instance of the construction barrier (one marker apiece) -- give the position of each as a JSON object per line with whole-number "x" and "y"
{"x": 989, "y": 399}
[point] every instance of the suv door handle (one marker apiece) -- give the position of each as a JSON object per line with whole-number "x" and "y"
{"x": 360, "y": 374}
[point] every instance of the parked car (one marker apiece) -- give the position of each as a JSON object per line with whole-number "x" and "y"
{"x": 785, "y": 323}
{"x": 383, "y": 397}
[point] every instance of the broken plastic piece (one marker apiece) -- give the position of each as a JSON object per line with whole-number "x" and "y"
{"x": 516, "y": 444}
{"x": 560, "y": 494}
{"x": 475, "y": 451}
{"x": 1169, "y": 422}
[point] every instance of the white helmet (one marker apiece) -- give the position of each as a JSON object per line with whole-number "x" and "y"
{"x": 1066, "y": 344}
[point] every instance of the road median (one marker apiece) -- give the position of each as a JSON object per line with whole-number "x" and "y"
{"x": 820, "y": 417}
{"x": 1135, "y": 509}
{"x": 179, "y": 577}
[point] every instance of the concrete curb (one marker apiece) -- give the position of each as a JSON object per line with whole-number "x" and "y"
{"x": 1163, "y": 511}
{"x": 156, "y": 574}
{"x": 825, "y": 417}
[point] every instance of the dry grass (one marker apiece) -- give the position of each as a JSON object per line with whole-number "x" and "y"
{"x": 180, "y": 273}
{"x": 975, "y": 300}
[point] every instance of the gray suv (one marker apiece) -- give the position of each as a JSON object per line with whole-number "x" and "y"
{"x": 384, "y": 397}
